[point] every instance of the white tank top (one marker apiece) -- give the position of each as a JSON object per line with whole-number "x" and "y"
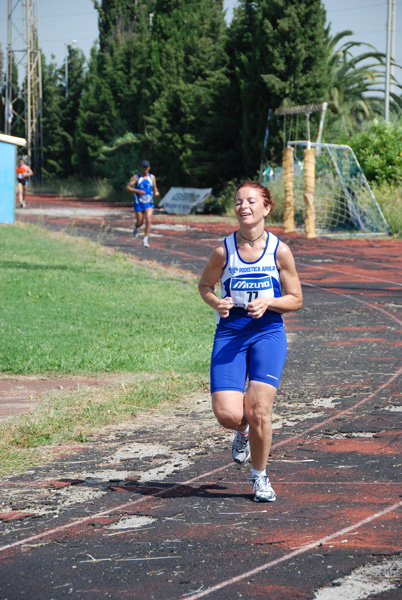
{"x": 244, "y": 281}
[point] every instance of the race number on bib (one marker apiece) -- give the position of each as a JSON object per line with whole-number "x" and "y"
{"x": 245, "y": 289}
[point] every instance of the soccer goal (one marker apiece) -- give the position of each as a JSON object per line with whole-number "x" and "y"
{"x": 330, "y": 188}
{"x": 325, "y": 188}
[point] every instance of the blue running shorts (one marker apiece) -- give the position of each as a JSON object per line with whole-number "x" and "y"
{"x": 142, "y": 206}
{"x": 236, "y": 355}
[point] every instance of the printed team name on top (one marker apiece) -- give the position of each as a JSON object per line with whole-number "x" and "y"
{"x": 262, "y": 269}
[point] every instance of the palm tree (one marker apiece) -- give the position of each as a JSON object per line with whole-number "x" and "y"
{"x": 357, "y": 81}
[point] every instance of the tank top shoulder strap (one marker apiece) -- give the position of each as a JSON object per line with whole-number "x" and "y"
{"x": 230, "y": 247}
{"x": 230, "y": 243}
{"x": 272, "y": 244}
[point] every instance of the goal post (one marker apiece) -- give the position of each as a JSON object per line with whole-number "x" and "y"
{"x": 309, "y": 186}
{"x": 334, "y": 196}
{"x": 309, "y": 166}
{"x": 325, "y": 188}
{"x": 288, "y": 209}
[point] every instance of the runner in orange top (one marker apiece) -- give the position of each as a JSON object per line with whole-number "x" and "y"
{"x": 23, "y": 172}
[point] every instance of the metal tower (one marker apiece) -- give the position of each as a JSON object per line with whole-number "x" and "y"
{"x": 23, "y": 106}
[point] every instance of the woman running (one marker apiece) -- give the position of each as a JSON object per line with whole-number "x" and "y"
{"x": 23, "y": 172}
{"x": 143, "y": 186}
{"x": 259, "y": 283}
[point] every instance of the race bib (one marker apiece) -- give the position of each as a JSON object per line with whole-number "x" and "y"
{"x": 245, "y": 289}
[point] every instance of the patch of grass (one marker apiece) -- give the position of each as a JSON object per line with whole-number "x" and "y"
{"x": 68, "y": 307}
{"x": 389, "y": 198}
{"x": 81, "y": 188}
{"x": 71, "y": 417}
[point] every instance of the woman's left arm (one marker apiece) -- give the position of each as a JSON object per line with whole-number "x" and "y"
{"x": 293, "y": 296}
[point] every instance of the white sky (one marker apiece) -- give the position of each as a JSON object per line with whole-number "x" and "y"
{"x": 60, "y": 22}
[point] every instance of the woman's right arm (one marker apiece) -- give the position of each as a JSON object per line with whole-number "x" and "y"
{"x": 209, "y": 279}
{"x": 131, "y": 186}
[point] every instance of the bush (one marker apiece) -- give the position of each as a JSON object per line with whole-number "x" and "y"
{"x": 379, "y": 151}
{"x": 389, "y": 198}
{"x": 76, "y": 186}
{"x": 224, "y": 203}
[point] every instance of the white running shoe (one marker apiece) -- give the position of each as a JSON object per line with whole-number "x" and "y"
{"x": 145, "y": 244}
{"x": 240, "y": 448}
{"x": 263, "y": 491}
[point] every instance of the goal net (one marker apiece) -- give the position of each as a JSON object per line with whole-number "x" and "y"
{"x": 339, "y": 198}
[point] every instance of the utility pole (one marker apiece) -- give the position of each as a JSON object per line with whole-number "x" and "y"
{"x": 393, "y": 32}
{"x": 24, "y": 107}
{"x": 390, "y": 53}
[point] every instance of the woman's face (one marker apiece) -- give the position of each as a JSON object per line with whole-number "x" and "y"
{"x": 249, "y": 206}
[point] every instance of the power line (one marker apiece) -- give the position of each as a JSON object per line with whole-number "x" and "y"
{"x": 75, "y": 14}
{"x": 354, "y": 7}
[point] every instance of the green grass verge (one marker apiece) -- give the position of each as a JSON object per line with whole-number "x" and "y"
{"x": 69, "y": 307}
{"x": 67, "y": 417}
{"x": 389, "y": 198}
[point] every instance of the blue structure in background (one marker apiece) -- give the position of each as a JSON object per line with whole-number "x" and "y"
{"x": 8, "y": 165}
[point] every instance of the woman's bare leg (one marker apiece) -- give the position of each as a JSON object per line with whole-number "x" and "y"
{"x": 259, "y": 400}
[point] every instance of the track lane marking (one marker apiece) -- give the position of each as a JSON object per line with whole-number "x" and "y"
{"x": 297, "y": 552}
{"x": 132, "y": 503}
{"x": 306, "y": 265}
{"x": 373, "y": 306}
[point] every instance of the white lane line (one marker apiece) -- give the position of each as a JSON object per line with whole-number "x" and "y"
{"x": 132, "y": 503}
{"x": 214, "y": 471}
{"x": 349, "y": 273}
{"x": 297, "y": 552}
{"x": 373, "y": 306}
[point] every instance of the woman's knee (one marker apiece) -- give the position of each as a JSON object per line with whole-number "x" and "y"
{"x": 229, "y": 412}
{"x": 259, "y": 402}
{"x": 259, "y": 419}
{"x": 227, "y": 420}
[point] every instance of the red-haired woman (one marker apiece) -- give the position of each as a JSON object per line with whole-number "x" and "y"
{"x": 259, "y": 283}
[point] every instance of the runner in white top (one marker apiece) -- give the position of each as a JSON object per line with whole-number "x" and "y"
{"x": 259, "y": 283}
{"x": 143, "y": 186}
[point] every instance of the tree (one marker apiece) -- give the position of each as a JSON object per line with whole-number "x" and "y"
{"x": 356, "y": 82}
{"x": 96, "y": 119}
{"x": 279, "y": 54}
{"x": 116, "y": 93}
{"x": 116, "y": 18}
{"x": 185, "y": 126}
{"x": 70, "y": 106}
{"x": 53, "y": 133}
{"x": 378, "y": 150}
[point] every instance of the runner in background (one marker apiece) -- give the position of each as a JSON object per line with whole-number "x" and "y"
{"x": 23, "y": 172}
{"x": 143, "y": 186}
{"x": 259, "y": 283}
